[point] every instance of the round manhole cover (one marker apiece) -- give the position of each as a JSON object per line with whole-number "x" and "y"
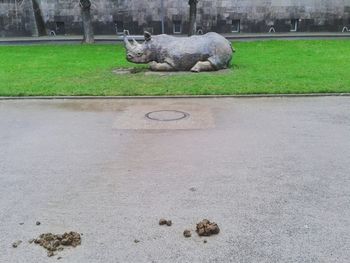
{"x": 167, "y": 115}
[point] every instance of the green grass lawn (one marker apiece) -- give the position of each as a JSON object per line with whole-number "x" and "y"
{"x": 310, "y": 66}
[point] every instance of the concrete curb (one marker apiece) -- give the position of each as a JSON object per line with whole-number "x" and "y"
{"x": 116, "y": 39}
{"x": 175, "y": 97}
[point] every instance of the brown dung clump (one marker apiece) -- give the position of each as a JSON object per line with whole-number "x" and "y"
{"x": 52, "y": 242}
{"x": 162, "y": 221}
{"x": 187, "y": 233}
{"x": 207, "y": 228}
{"x": 165, "y": 222}
{"x": 16, "y": 243}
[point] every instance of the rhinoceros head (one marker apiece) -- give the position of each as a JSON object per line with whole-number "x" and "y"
{"x": 138, "y": 53}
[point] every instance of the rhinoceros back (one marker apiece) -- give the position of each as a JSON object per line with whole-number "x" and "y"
{"x": 184, "y": 52}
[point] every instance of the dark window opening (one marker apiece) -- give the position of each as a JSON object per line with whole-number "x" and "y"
{"x": 294, "y": 25}
{"x": 236, "y": 26}
{"x": 60, "y": 29}
{"x": 119, "y": 27}
{"x": 177, "y": 27}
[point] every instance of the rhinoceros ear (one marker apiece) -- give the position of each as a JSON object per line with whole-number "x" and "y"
{"x": 148, "y": 36}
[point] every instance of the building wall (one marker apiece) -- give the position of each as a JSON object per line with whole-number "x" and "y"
{"x": 63, "y": 16}
{"x": 17, "y": 18}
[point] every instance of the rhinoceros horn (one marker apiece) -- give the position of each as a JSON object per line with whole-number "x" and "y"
{"x": 127, "y": 43}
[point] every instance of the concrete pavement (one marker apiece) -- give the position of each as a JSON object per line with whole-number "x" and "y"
{"x": 60, "y": 39}
{"x": 272, "y": 172}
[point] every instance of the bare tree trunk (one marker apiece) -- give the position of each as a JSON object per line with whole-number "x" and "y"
{"x": 193, "y": 16}
{"x": 30, "y": 15}
{"x": 85, "y": 6}
{"x": 39, "y": 19}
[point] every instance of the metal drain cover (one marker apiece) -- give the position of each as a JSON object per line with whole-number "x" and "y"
{"x": 167, "y": 115}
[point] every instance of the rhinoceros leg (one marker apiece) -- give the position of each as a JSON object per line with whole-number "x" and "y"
{"x": 202, "y": 66}
{"x": 160, "y": 66}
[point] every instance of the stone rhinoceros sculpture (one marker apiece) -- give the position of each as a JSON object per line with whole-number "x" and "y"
{"x": 167, "y": 53}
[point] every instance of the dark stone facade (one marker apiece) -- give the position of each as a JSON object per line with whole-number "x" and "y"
{"x": 40, "y": 17}
{"x": 17, "y": 18}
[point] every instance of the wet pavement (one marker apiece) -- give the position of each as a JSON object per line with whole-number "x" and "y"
{"x": 273, "y": 173}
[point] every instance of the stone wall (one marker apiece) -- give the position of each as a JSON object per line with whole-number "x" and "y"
{"x": 63, "y": 16}
{"x": 17, "y": 18}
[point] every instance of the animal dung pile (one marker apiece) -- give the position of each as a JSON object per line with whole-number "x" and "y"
{"x": 207, "y": 228}
{"x": 187, "y": 233}
{"x": 52, "y": 242}
{"x": 165, "y": 222}
{"x": 203, "y": 228}
{"x": 16, "y": 243}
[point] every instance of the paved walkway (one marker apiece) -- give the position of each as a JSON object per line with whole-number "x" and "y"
{"x": 114, "y": 38}
{"x": 272, "y": 172}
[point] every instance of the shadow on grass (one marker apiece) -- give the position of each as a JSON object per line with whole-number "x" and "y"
{"x": 148, "y": 72}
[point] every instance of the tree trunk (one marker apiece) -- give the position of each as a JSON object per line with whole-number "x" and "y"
{"x": 85, "y": 6}
{"x": 30, "y": 15}
{"x": 40, "y": 24}
{"x": 193, "y": 16}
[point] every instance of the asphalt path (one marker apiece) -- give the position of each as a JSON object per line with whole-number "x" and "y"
{"x": 273, "y": 173}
